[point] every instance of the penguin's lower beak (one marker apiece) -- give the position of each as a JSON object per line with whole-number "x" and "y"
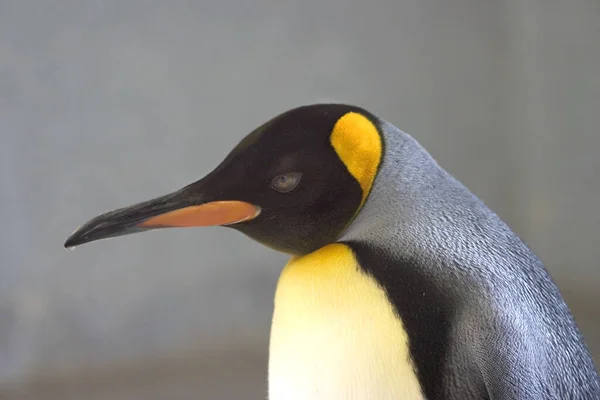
{"x": 178, "y": 209}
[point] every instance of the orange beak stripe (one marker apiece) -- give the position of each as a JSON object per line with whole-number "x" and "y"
{"x": 209, "y": 214}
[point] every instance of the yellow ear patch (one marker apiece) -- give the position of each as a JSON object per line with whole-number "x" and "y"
{"x": 358, "y": 143}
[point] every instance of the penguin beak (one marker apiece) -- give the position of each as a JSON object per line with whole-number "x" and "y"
{"x": 178, "y": 209}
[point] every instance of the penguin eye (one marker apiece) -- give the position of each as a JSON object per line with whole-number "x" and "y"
{"x": 286, "y": 182}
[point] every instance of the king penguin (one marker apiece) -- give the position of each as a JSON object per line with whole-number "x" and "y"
{"x": 401, "y": 284}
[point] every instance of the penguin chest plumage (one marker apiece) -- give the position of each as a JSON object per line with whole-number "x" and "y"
{"x": 335, "y": 335}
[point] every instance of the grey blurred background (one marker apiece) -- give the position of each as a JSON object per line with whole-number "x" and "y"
{"x": 106, "y": 103}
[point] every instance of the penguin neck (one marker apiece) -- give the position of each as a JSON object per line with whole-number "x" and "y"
{"x": 418, "y": 209}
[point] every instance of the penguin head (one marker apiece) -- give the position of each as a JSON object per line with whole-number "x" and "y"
{"x": 293, "y": 184}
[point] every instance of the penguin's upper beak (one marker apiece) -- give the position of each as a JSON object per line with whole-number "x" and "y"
{"x": 183, "y": 208}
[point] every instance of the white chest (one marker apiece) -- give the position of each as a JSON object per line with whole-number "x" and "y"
{"x": 335, "y": 336}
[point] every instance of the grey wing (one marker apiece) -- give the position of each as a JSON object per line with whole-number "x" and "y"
{"x": 534, "y": 355}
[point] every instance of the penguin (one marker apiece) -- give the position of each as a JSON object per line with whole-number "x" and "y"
{"x": 401, "y": 283}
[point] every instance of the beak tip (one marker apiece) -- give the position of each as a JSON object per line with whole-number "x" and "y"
{"x": 77, "y": 238}
{"x": 71, "y": 242}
